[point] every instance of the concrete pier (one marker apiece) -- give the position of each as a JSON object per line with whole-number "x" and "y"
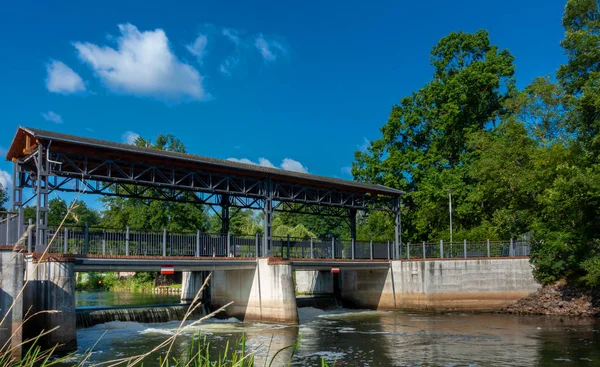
{"x": 11, "y": 283}
{"x": 191, "y": 282}
{"x": 314, "y": 282}
{"x": 51, "y": 290}
{"x": 438, "y": 285}
{"x": 264, "y": 294}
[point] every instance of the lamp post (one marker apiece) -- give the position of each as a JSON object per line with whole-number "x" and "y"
{"x": 450, "y": 204}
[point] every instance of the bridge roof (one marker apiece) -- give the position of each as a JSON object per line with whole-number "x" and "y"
{"x": 102, "y": 148}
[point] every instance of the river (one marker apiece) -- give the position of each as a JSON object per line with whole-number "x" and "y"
{"x": 373, "y": 338}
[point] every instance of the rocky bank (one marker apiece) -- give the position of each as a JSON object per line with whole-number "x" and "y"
{"x": 559, "y": 298}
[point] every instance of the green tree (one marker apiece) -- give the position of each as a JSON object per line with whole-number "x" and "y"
{"x": 580, "y": 76}
{"x": 243, "y": 222}
{"x": 80, "y": 213}
{"x": 424, "y": 148}
{"x": 3, "y": 197}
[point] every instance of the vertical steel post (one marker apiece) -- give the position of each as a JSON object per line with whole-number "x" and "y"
{"x": 312, "y": 252}
{"x": 66, "y": 241}
{"x": 332, "y": 247}
{"x": 288, "y": 246}
{"x": 257, "y": 245}
{"x": 488, "y": 247}
{"x": 371, "y": 248}
{"x": 408, "y": 250}
{"x": 8, "y": 229}
{"x": 398, "y": 229}
{"x": 197, "y": 243}
{"x": 465, "y": 247}
{"x": 17, "y": 196}
{"x": 41, "y": 190}
{"x": 424, "y": 255}
{"x": 511, "y": 250}
{"x": 388, "y": 249}
{"x": 127, "y": 240}
{"x": 103, "y": 245}
{"x": 164, "y": 242}
{"x": 86, "y": 240}
{"x": 29, "y": 235}
{"x": 268, "y": 217}
{"x": 228, "y": 245}
{"x": 225, "y": 204}
{"x": 441, "y": 249}
{"x": 352, "y": 214}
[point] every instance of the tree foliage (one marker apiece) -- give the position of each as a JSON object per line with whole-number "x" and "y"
{"x": 519, "y": 162}
{"x": 3, "y": 197}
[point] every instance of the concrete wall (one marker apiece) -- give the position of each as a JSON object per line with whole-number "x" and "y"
{"x": 11, "y": 282}
{"x": 478, "y": 284}
{"x": 314, "y": 282}
{"x": 263, "y": 294}
{"x": 51, "y": 290}
{"x": 191, "y": 282}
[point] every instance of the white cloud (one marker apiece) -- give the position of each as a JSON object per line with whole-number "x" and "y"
{"x": 52, "y": 116}
{"x": 346, "y": 170}
{"x": 143, "y": 65}
{"x": 265, "y": 163}
{"x": 5, "y": 179}
{"x": 198, "y": 48}
{"x": 261, "y": 162}
{"x": 129, "y": 137}
{"x": 3, "y": 151}
{"x": 90, "y": 129}
{"x": 287, "y": 164}
{"x": 62, "y": 79}
{"x": 232, "y": 35}
{"x": 269, "y": 50}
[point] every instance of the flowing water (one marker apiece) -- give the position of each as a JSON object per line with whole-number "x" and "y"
{"x": 378, "y": 338}
{"x": 107, "y": 299}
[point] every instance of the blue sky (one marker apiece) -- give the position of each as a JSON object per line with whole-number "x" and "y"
{"x": 296, "y": 85}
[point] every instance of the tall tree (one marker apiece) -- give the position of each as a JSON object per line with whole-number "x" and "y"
{"x": 80, "y": 214}
{"x": 3, "y": 197}
{"x": 580, "y": 76}
{"x": 424, "y": 147}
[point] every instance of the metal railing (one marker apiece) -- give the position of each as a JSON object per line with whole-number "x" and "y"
{"x": 9, "y": 228}
{"x": 84, "y": 240}
{"x": 465, "y": 249}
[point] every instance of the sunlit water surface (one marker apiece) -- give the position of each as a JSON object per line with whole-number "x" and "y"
{"x": 375, "y": 338}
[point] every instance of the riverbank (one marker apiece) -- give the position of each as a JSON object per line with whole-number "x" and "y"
{"x": 559, "y": 298}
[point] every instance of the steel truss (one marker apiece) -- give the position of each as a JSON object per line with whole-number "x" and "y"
{"x": 45, "y": 172}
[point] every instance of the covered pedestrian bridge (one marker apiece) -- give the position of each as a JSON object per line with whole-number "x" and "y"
{"x": 47, "y": 162}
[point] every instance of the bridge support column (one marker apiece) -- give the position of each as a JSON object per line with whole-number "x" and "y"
{"x": 309, "y": 282}
{"x": 191, "y": 282}
{"x": 11, "y": 274}
{"x": 373, "y": 289}
{"x": 264, "y": 294}
{"x": 51, "y": 287}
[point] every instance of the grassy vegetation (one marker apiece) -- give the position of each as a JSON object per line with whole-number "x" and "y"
{"x": 140, "y": 282}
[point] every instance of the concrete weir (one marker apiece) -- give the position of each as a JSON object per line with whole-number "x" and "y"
{"x": 264, "y": 294}
{"x": 438, "y": 285}
{"x": 50, "y": 290}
